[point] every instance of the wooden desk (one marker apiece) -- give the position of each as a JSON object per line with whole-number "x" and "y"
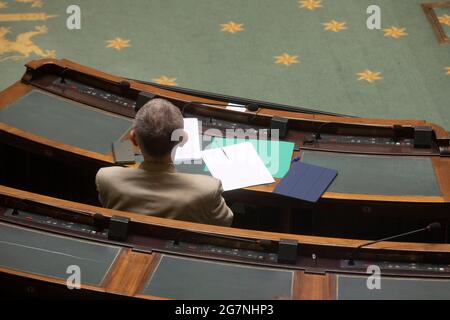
{"x": 38, "y": 163}
{"x": 150, "y": 239}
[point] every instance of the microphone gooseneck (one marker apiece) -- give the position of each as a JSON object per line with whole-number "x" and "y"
{"x": 434, "y": 226}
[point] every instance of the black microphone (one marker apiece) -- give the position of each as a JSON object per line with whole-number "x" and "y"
{"x": 316, "y": 136}
{"x": 125, "y": 86}
{"x": 252, "y": 107}
{"x": 434, "y": 226}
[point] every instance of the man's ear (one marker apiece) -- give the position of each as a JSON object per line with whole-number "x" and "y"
{"x": 133, "y": 137}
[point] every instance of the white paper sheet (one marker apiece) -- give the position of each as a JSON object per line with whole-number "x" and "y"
{"x": 236, "y": 107}
{"x": 237, "y": 166}
{"x": 191, "y": 150}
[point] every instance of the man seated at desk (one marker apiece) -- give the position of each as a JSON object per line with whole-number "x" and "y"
{"x": 156, "y": 188}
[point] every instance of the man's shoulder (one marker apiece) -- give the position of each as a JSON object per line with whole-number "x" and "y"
{"x": 107, "y": 171}
{"x": 112, "y": 173}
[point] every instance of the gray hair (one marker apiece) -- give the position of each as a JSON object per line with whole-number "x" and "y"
{"x": 154, "y": 124}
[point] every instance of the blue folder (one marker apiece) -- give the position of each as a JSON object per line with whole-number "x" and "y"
{"x": 305, "y": 182}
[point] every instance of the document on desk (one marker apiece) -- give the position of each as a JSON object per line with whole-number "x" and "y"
{"x": 191, "y": 150}
{"x": 237, "y": 166}
{"x": 276, "y": 155}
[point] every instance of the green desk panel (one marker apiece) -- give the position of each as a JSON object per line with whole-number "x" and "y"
{"x": 355, "y": 288}
{"x": 65, "y": 121}
{"x": 385, "y": 175}
{"x": 184, "y": 278}
{"x": 49, "y": 255}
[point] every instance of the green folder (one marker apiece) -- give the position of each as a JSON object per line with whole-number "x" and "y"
{"x": 276, "y": 155}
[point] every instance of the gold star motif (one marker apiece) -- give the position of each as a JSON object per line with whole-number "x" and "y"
{"x": 335, "y": 26}
{"x": 369, "y": 76}
{"x": 448, "y": 70}
{"x": 166, "y": 81}
{"x": 310, "y": 4}
{"x": 445, "y": 19}
{"x": 3, "y": 5}
{"x": 118, "y": 43}
{"x": 286, "y": 59}
{"x": 232, "y": 27}
{"x": 395, "y": 32}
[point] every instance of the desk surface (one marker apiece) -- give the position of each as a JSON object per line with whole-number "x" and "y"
{"x": 184, "y": 278}
{"x": 65, "y": 121}
{"x": 355, "y": 288}
{"x": 49, "y": 255}
{"x": 398, "y": 175}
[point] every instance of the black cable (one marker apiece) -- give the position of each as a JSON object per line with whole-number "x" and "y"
{"x": 180, "y": 235}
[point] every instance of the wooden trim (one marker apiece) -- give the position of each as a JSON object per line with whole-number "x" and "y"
{"x": 313, "y": 286}
{"x": 13, "y": 92}
{"x": 332, "y": 286}
{"x": 428, "y": 8}
{"x": 142, "y": 296}
{"x": 195, "y": 227}
{"x": 383, "y": 198}
{"x": 129, "y": 273}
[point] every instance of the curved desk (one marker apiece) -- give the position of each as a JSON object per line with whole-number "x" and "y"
{"x": 58, "y": 131}
{"x": 41, "y": 236}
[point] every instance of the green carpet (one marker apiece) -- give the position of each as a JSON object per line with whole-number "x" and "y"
{"x": 182, "y": 40}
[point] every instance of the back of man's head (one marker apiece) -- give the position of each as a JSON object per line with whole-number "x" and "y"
{"x": 154, "y": 125}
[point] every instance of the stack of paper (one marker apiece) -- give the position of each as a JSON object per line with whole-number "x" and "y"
{"x": 237, "y": 166}
{"x": 276, "y": 155}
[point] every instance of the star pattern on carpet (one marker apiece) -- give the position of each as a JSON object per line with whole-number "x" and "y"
{"x": 444, "y": 19}
{"x": 447, "y": 69}
{"x": 369, "y": 76}
{"x": 395, "y": 32}
{"x": 3, "y": 5}
{"x": 118, "y": 43}
{"x": 334, "y": 26}
{"x": 286, "y": 59}
{"x": 310, "y": 4}
{"x": 232, "y": 27}
{"x": 166, "y": 81}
